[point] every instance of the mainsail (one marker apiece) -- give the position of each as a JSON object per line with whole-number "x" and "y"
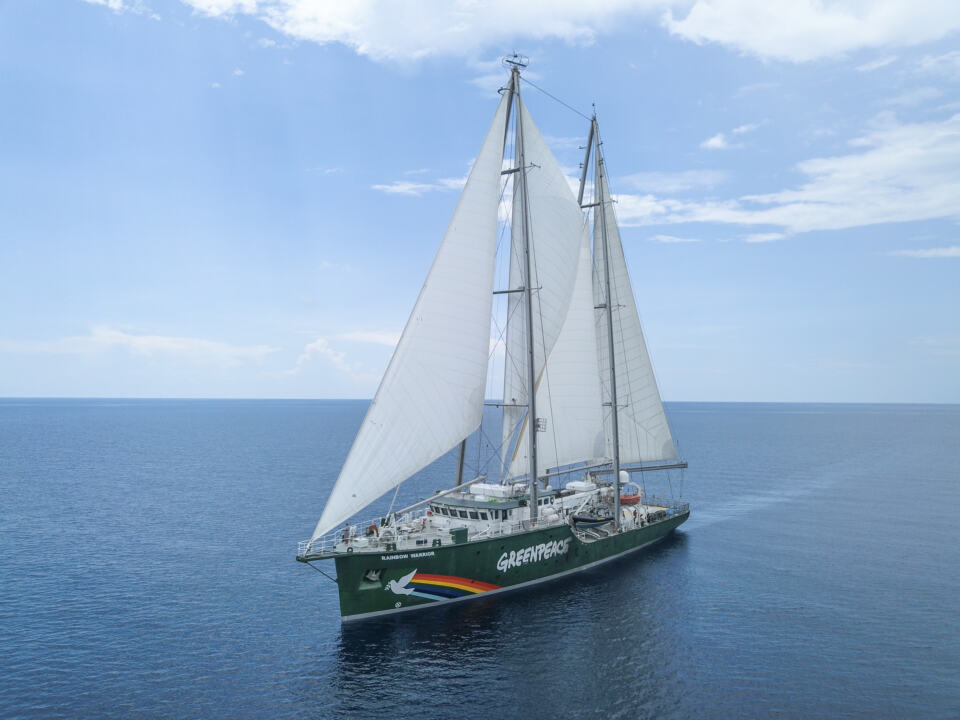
{"x": 555, "y": 221}
{"x": 643, "y": 430}
{"x": 568, "y": 392}
{"x": 431, "y": 396}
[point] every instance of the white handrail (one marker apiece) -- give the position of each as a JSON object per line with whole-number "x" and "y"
{"x": 420, "y": 534}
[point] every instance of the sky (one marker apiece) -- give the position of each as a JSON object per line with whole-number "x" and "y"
{"x": 241, "y": 198}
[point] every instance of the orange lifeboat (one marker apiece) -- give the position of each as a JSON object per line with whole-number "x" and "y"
{"x": 629, "y": 499}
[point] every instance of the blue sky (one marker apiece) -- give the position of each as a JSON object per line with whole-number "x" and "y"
{"x": 239, "y": 198}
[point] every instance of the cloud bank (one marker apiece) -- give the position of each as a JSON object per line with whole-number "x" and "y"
{"x": 897, "y": 173}
{"x": 103, "y": 338}
{"x": 787, "y": 30}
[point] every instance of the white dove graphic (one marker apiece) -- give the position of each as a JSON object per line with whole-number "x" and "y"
{"x": 398, "y": 587}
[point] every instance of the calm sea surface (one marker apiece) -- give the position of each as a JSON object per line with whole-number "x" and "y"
{"x": 147, "y": 571}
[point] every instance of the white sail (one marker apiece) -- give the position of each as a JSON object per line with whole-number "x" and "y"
{"x": 568, "y": 390}
{"x": 554, "y": 220}
{"x": 431, "y": 396}
{"x": 643, "y": 429}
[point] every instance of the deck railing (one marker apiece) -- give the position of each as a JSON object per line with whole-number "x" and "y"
{"x": 417, "y": 530}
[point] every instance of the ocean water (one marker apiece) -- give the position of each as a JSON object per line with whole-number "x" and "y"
{"x": 147, "y": 571}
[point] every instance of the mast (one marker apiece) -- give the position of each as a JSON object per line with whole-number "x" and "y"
{"x": 528, "y": 292}
{"x": 463, "y": 452}
{"x": 615, "y": 410}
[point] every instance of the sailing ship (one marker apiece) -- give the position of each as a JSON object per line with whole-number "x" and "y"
{"x": 581, "y": 411}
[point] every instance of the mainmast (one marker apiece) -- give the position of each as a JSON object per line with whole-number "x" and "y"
{"x": 600, "y": 202}
{"x": 516, "y": 62}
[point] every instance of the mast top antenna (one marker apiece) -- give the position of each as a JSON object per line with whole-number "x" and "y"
{"x": 516, "y": 61}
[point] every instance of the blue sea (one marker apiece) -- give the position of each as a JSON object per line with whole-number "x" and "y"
{"x": 147, "y": 571}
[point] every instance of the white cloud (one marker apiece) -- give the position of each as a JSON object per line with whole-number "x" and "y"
{"x": 320, "y": 348}
{"x": 214, "y": 85}
{"x": 915, "y": 97}
{"x": 492, "y": 76}
{"x": 748, "y": 127}
{"x": 720, "y": 141}
{"x": 456, "y": 183}
{"x": 673, "y": 239}
{"x": 383, "y": 337}
{"x": 877, "y": 64}
{"x": 564, "y": 143}
{"x": 941, "y": 345}
{"x": 104, "y": 338}
{"x": 717, "y": 142}
{"x": 123, "y": 6}
{"x": 791, "y": 30}
{"x": 415, "y": 29}
{"x": 672, "y": 182}
{"x": 224, "y": 7}
{"x": 754, "y": 88}
{"x": 416, "y": 189}
{"x": 901, "y": 173}
{"x": 405, "y": 187}
{"x": 947, "y": 64}
{"x": 238, "y": 72}
{"x": 116, "y": 5}
{"x": 945, "y": 252}
{"x": 804, "y": 30}
{"x": 764, "y": 237}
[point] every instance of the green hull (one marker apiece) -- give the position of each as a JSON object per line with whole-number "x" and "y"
{"x": 416, "y": 579}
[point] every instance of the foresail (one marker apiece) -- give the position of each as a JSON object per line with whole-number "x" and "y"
{"x": 431, "y": 396}
{"x": 644, "y": 432}
{"x": 554, "y": 220}
{"x": 568, "y": 390}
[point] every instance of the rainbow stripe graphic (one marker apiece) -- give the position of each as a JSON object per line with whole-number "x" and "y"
{"x": 441, "y": 587}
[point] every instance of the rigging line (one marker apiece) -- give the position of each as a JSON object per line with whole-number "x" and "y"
{"x": 508, "y": 356}
{"x": 493, "y": 350}
{"x": 502, "y": 233}
{"x": 635, "y": 423}
{"x": 631, "y": 407}
{"x": 392, "y": 502}
{"x": 616, "y": 290}
{"x": 322, "y": 573}
{"x": 503, "y": 332}
{"x": 493, "y": 317}
{"x": 601, "y": 326}
{"x": 554, "y": 97}
{"x": 546, "y": 365}
{"x": 484, "y": 436}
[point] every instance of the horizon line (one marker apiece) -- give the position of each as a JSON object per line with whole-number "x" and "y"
{"x": 360, "y": 399}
